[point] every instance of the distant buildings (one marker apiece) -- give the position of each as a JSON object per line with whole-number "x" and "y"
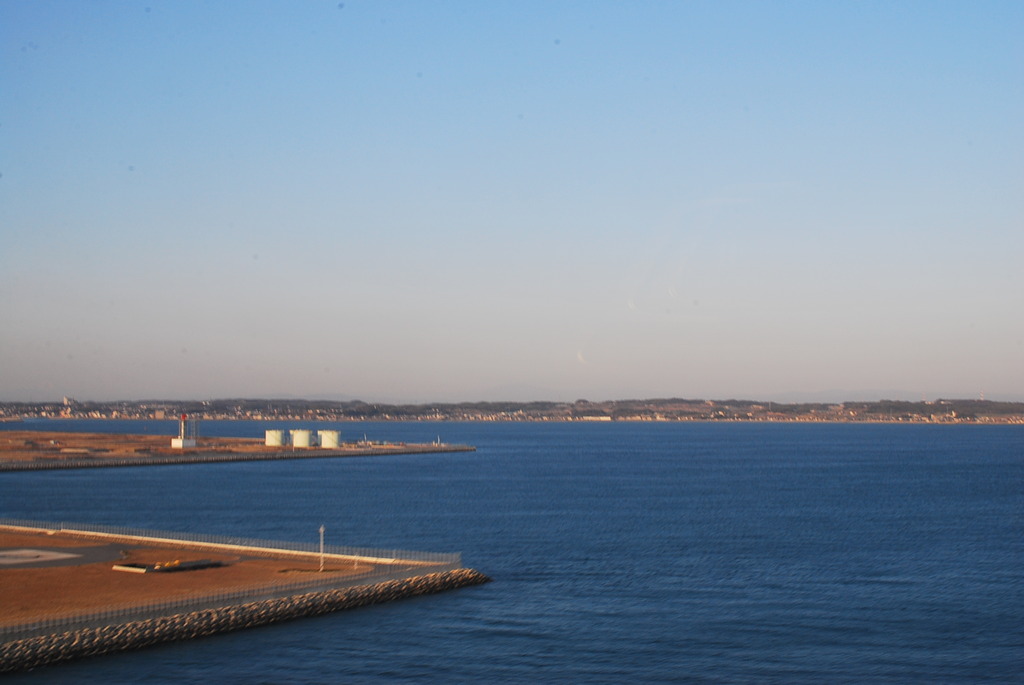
{"x": 940, "y": 411}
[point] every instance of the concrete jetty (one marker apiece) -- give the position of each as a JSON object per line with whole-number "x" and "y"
{"x": 20, "y": 655}
{"x": 37, "y": 451}
{"x": 65, "y": 596}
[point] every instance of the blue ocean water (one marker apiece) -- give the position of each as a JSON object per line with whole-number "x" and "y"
{"x": 620, "y": 552}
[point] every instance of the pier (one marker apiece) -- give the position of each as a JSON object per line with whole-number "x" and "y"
{"x": 36, "y": 450}
{"x": 64, "y": 600}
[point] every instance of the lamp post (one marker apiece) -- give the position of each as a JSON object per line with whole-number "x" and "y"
{"x": 321, "y": 548}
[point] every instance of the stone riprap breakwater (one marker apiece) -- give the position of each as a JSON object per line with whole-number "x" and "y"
{"x": 199, "y": 457}
{"x": 20, "y": 655}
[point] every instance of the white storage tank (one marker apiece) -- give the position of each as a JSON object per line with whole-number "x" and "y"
{"x": 330, "y": 439}
{"x": 303, "y": 438}
{"x": 276, "y": 438}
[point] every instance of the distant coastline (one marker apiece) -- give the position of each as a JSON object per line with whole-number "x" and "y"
{"x": 946, "y": 411}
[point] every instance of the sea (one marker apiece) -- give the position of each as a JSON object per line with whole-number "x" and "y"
{"x": 619, "y": 552}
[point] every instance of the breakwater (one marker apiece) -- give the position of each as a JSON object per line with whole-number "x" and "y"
{"x": 20, "y": 655}
{"x": 89, "y": 462}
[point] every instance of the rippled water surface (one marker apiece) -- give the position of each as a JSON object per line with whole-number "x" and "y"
{"x": 619, "y": 552}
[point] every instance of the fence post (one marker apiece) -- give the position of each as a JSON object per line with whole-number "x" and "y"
{"x": 125, "y": 614}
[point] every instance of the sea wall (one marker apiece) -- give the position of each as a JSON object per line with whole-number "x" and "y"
{"x": 33, "y": 652}
{"x": 92, "y": 462}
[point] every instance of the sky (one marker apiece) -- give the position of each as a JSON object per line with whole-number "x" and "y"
{"x": 465, "y": 201}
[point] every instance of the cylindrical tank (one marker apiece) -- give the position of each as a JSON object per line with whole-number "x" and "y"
{"x": 275, "y": 438}
{"x": 330, "y": 439}
{"x": 302, "y": 438}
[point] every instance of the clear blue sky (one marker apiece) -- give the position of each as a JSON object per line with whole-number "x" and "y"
{"x": 444, "y": 201}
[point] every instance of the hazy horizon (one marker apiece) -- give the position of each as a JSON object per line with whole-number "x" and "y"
{"x": 782, "y": 398}
{"x": 417, "y": 202}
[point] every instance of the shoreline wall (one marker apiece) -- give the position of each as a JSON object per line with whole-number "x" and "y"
{"x": 20, "y": 655}
{"x": 251, "y": 546}
{"x": 220, "y": 457}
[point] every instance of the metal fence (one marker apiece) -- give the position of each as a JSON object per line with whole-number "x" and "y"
{"x": 271, "y": 545}
{"x": 395, "y": 565}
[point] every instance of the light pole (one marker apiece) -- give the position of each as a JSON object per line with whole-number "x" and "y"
{"x": 321, "y": 548}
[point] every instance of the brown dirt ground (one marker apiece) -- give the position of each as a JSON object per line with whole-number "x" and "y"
{"x": 28, "y": 445}
{"x": 31, "y": 594}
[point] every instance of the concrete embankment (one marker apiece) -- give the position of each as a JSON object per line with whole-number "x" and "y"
{"x": 33, "y": 652}
{"x": 93, "y": 462}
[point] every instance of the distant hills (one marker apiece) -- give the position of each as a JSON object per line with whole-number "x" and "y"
{"x": 664, "y": 409}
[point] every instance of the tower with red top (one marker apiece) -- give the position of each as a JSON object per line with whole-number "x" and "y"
{"x": 188, "y": 433}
